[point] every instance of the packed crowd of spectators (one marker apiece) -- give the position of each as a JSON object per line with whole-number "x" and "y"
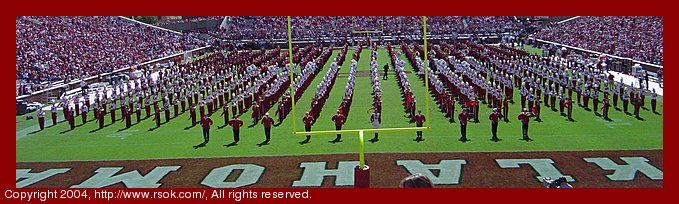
{"x": 636, "y": 37}
{"x": 189, "y": 19}
{"x": 275, "y": 27}
{"x": 50, "y": 48}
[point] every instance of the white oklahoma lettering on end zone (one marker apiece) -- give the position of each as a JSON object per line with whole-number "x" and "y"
{"x": 627, "y": 172}
{"x": 32, "y": 178}
{"x": 250, "y": 175}
{"x": 449, "y": 170}
{"x": 132, "y": 179}
{"x": 315, "y": 171}
{"x": 544, "y": 167}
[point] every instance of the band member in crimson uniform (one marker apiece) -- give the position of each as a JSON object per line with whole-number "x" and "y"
{"x": 568, "y": 104}
{"x": 166, "y": 109}
{"x": 176, "y": 107}
{"x": 255, "y": 113}
{"x": 138, "y": 111}
{"x": 205, "y": 122}
{"x": 604, "y": 108}
{"x": 183, "y": 103}
{"x": 100, "y": 118}
{"x": 202, "y": 109}
{"x": 525, "y": 118}
{"x": 339, "y": 119}
{"x": 494, "y": 117}
{"x": 615, "y": 97}
{"x": 192, "y": 116}
{"x": 475, "y": 106}
{"x": 225, "y": 113}
{"x": 637, "y": 106}
{"x": 234, "y": 108}
{"x": 76, "y": 102}
{"x": 156, "y": 117}
{"x": 236, "y": 123}
{"x": 41, "y": 119}
{"x": 71, "y": 119}
{"x": 112, "y": 105}
{"x": 209, "y": 105}
{"x": 625, "y": 101}
{"x": 536, "y": 110}
{"x": 595, "y": 101}
{"x": 128, "y": 117}
{"x": 308, "y": 122}
{"x": 267, "y": 122}
{"x": 123, "y": 110}
{"x": 419, "y": 120}
{"x": 505, "y": 109}
{"x": 450, "y": 108}
{"x": 148, "y": 108}
{"x": 654, "y": 101}
{"x": 54, "y": 114}
{"x": 463, "y": 117}
{"x": 83, "y": 113}
{"x": 585, "y": 97}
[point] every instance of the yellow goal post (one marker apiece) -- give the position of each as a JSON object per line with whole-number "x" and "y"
{"x": 360, "y": 132}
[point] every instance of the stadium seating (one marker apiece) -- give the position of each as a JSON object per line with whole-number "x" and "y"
{"x": 313, "y": 27}
{"x": 636, "y": 37}
{"x": 68, "y": 47}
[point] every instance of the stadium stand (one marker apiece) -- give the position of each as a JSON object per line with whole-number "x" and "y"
{"x": 636, "y": 37}
{"x": 68, "y": 47}
{"x": 312, "y": 27}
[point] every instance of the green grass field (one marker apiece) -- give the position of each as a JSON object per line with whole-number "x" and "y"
{"x": 172, "y": 140}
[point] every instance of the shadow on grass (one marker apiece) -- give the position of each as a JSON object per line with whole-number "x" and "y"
{"x": 36, "y": 131}
{"x": 263, "y": 143}
{"x": 153, "y": 128}
{"x": 231, "y": 144}
{"x": 199, "y": 145}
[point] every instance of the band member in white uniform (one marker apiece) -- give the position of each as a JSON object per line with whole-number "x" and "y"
{"x": 376, "y": 119}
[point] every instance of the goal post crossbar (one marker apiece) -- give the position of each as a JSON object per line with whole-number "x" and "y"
{"x": 380, "y": 130}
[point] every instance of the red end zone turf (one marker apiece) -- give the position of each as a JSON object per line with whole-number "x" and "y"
{"x": 584, "y": 169}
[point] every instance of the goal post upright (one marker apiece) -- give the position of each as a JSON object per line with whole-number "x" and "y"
{"x": 292, "y": 80}
{"x": 426, "y": 71}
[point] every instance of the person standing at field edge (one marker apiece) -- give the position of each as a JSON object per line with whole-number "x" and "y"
{"x": 525, "y": 118}
{"x": 419, "y": 120}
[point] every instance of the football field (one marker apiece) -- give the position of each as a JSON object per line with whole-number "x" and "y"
{"x": 175, "y": 138}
